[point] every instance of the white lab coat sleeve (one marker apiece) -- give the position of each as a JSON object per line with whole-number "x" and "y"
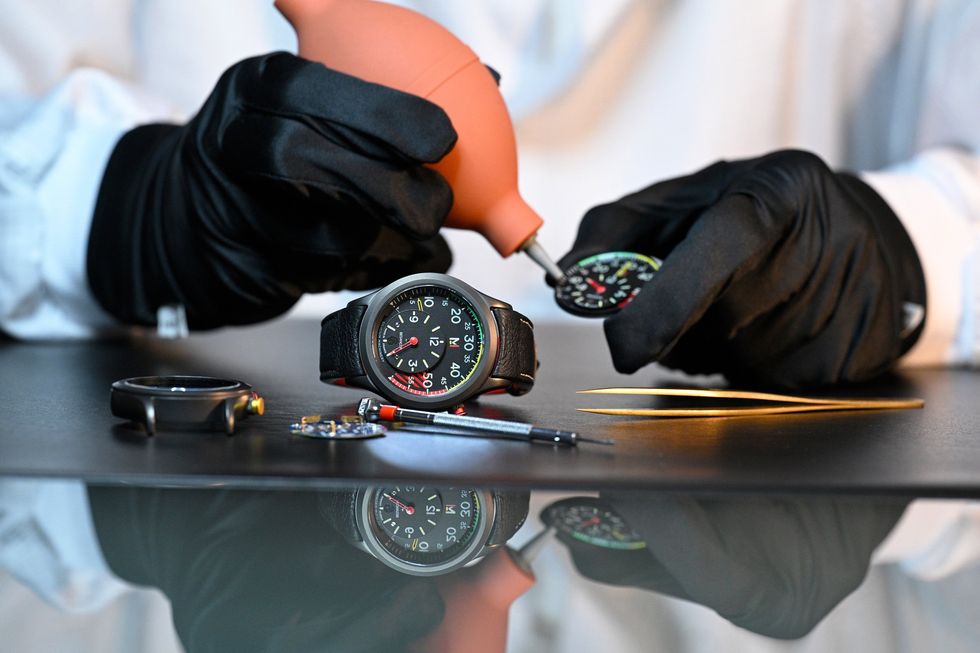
{"x": 52, "y": 154}
{"x": 48, "y": 542}
{"x": 937, "y": 197}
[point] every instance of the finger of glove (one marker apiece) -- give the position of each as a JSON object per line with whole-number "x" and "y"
{"x": 393, "y": 256}
{"x": 406, "y": 126}
{"x": 650, "y": 221}
{"x": 412, "y": 198}
{"x": 730, "y": 239}
{"x": 696, "y": 553}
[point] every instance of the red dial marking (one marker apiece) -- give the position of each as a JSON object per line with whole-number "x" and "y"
{"x": 598, "y": 287}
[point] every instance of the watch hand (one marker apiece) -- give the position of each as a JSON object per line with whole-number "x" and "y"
{"x": 409, "y": 510}
{"x": 626, "y": 267}
{"x": 599, "y": 288}
{"x": 411, "y": 342}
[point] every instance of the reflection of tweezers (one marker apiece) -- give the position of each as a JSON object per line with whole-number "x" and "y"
{"x": 791, "y": 403}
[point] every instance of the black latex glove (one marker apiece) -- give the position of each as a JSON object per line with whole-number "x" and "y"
{"x": 777, "y": 271}
{"x": 292, "y": 178}
{"x": 775, "y": 566}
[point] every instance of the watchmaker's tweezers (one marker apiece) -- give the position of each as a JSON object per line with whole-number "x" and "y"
{"x": 790, "y": 403}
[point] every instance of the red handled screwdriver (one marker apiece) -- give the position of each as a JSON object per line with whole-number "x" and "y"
{"x": 373, "y": 410}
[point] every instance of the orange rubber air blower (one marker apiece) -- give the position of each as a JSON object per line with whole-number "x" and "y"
{"x": 403, "y": 49}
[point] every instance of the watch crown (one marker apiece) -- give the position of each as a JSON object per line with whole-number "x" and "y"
{"x": 256, "y": 405}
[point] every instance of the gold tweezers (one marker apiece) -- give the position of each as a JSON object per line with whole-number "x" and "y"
{"x": 794, "y": 404}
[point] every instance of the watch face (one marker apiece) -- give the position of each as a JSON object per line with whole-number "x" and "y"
{"x": 423, "y": 529}
{"x": 605, "y": 283}
{"x": 430, "y": 341}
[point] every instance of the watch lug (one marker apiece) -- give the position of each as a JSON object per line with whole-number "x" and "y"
{"x": 363, "y": 300}
{"x": 361, "y": 382}
{"x": 493, "y": 302}
{"x": 493, "y": 383}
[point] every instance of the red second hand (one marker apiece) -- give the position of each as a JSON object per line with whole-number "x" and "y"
{"x": 411, "y": 342}
{"x": 409, "y": 510}
{"x": 599, "y": 288}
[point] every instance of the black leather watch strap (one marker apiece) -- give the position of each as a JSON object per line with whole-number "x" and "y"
{"x": 517, "y": 359}
{"x": 512, "y": 507}
{"x": 339, "y": 355}
{"x": 340, "y": 509}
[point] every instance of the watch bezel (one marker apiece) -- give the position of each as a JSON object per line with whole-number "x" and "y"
{"x": 367, "y": 525}
{"x": 370, "y": 356}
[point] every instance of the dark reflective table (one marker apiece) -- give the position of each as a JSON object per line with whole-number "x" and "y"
{"x": 55, "y": 421}
{"x": 792, "y": 533}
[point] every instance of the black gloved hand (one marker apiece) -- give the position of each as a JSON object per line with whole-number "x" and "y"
{"x": 775, "y": 566}
{"x": 292, "y": 178}
{"x": 777, "y": 271}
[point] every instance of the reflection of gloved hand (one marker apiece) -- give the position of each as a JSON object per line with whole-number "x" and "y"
{"x": 772, "y": 566}
{"x": 777, "y": 271}
{"x": 259, "y": 571}
{"x": 292, "y": 178}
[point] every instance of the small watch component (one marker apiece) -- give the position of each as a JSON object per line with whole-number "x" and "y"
{"x": 348, "y": 427}
{"x": 604, "y": 283}
{"x": 428, "y": 341}
{"x": 591, "y": 521}
{"x": 184, "y": 402}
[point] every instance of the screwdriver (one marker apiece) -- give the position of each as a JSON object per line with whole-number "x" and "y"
{"x": 373, "y": 410}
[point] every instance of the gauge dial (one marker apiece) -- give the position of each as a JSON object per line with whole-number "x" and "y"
{"x": 429, "y": 341}
{"x": 604, "y": 283}
{"x": 407, "y": 342}
{"x": 591, "y": 521}
{"x": 425, "y": 525}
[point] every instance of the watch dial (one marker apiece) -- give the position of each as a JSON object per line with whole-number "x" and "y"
{"x": 593, "y": 522}
{"x": 430, "y": 341}
{"x": 605, "y": 283}
{"x": 425, "y": 525}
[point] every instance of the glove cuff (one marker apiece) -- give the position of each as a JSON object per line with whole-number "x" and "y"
{"x": 900, "y": 256}
{"x": 123, "y": 268}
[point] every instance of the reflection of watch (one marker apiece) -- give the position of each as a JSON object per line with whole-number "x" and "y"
{"x": 426, "y": 530}
{"x": 428, "y": 341}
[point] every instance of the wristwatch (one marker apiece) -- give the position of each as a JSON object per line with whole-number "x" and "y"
{"x": 425, "y": 530}
{"x": 428, "y": 341}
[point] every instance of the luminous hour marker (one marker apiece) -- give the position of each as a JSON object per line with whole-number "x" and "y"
{"x": 426, "y": 319}
{"x": 434, "y": 354}
{"x": 425, "y": 362}
{"x": 431, "y": 522}
{"x": 421, "y": 530}
{"x": 399, "y": 363}
{"x": 395, "y": 532}
{"x": 401, "y": 319}
{"x": 392, "y": 328}
{"x": 386, "y": 521}
{"x": 432, "y": 497}
{"x": 436, "y": 329}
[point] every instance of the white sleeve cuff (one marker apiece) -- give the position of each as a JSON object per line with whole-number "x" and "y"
{"x": 934, "y": 539}
{"x": 937, "y": 197}
{"x": 51, "y": 165}
{"x": 48, "y": 542}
